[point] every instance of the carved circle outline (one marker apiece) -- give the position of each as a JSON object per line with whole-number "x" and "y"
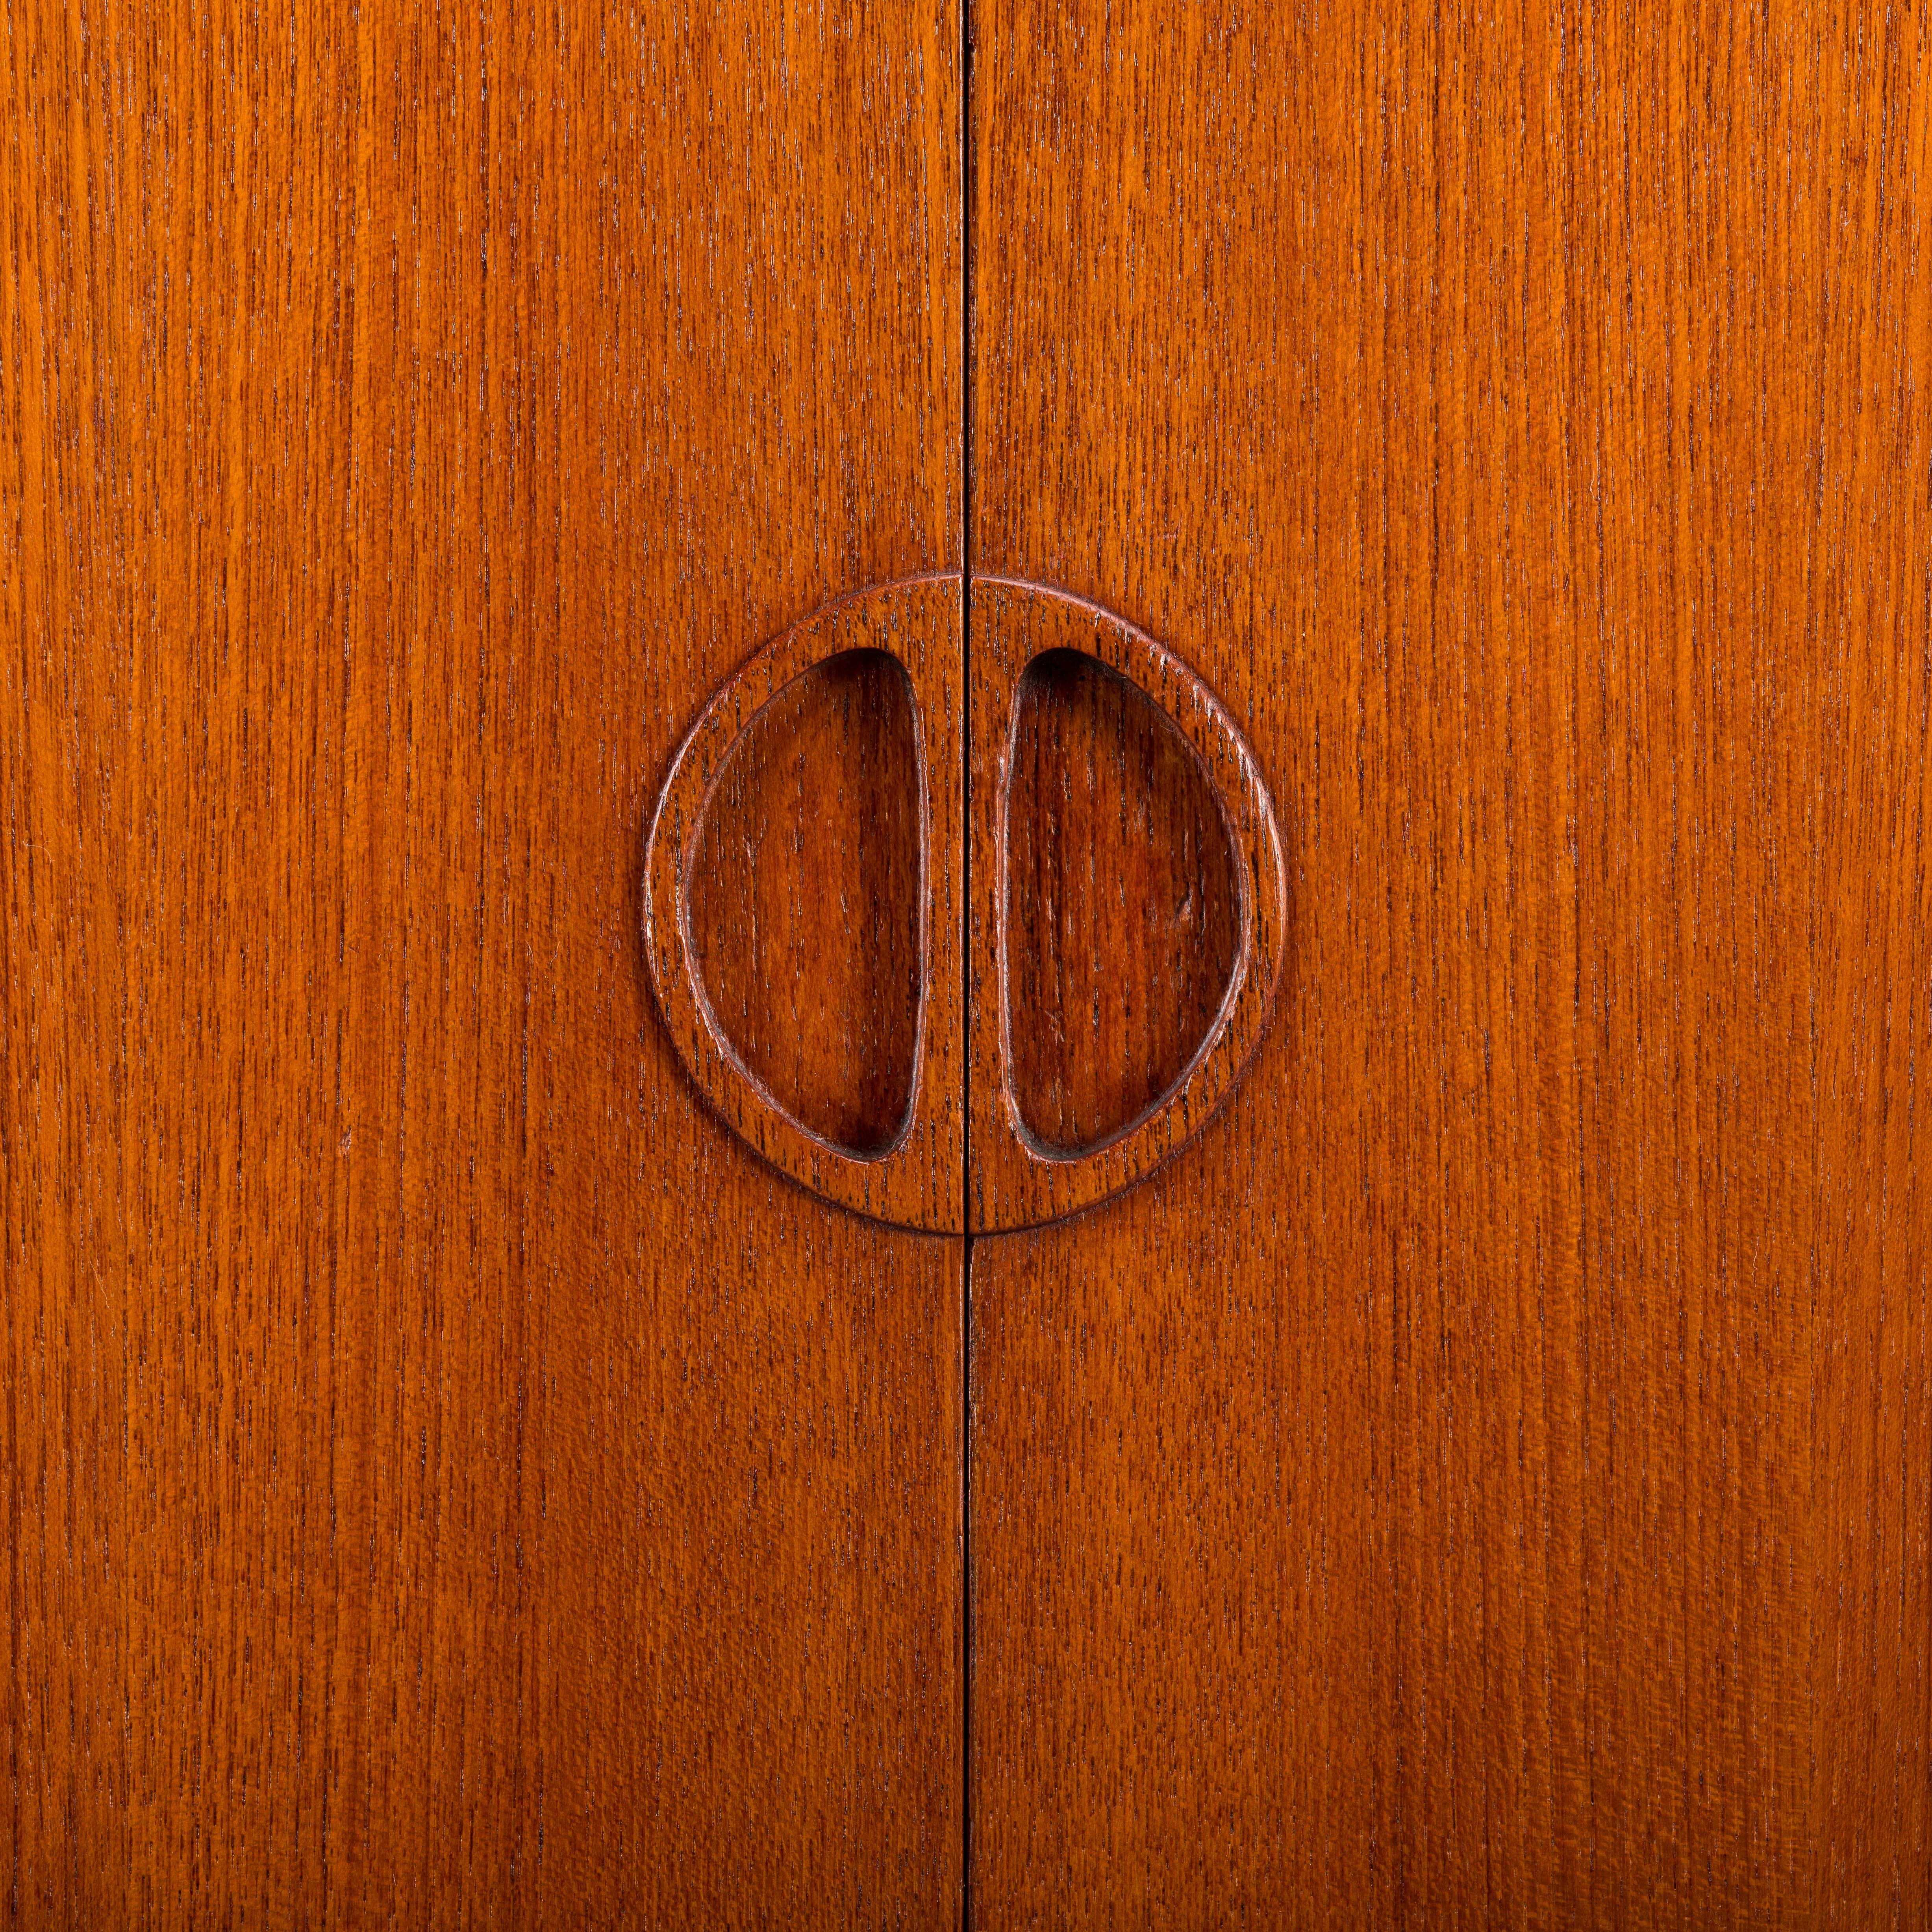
{"x": 920, "y": 1179}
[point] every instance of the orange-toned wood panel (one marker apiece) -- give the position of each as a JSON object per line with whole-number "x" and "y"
{"x": 445, "y": 1476}
{"x": 1485, "y": 1480}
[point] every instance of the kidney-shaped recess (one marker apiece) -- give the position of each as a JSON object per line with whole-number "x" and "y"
{"x": 801, "y": 903}
{"x": 1131, "y": 905}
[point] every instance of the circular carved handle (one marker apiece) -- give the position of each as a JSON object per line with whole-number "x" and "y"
{"x": 1014, "y": 1180}
{"x": 927, "y": 1177}
{"x": 916, "y": 1181}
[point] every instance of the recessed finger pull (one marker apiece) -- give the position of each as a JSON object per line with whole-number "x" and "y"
{"x": 805, "y": 890}
{"x": 803, "y": 918}
{"x": 834, "y": 1047}
{"x": 1128, "y": 904}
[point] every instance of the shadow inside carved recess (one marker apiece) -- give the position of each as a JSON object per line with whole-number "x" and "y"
{"x": 804, "y": 897}
{"x": 1123, "y": 903}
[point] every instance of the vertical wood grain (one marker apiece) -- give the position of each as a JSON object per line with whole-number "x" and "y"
{"x": 1485, "y": 1480}
{"x": 446, "y": 1479}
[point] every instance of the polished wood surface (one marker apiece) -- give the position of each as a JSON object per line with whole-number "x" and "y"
{"x": 1485, "y": 1480}
{"x": 444, "y": 1479}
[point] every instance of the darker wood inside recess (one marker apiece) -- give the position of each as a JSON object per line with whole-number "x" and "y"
{"x": 1123, "y": 909}
{"x": 805, "y": 898}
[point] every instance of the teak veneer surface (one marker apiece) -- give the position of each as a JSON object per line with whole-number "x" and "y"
{"x": 1485, "y": 1480}
{"x": 445, "y": 1480}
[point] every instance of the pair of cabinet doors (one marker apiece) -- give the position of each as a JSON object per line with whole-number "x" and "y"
{"x": 464, "y": 1462}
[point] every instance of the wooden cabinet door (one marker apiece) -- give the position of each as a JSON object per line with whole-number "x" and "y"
{"x": 965, "y": 969}
{"x": 446, "y": 1479}
{"x": 1486, "y": 1480}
